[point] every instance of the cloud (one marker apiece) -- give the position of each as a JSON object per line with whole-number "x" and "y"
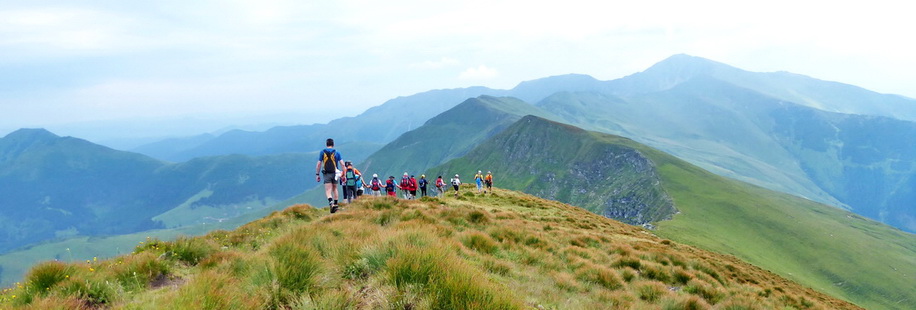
{"x": 482, "y": 72}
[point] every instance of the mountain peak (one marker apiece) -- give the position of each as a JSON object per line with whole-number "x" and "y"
{"x": 687, "y": 66}
{"x": 32, "y": 134}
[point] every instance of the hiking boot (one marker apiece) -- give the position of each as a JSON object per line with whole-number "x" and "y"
{"x": 334, "y": 208}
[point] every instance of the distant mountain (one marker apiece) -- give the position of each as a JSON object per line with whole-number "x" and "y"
{"x": 800, "y": 89}
{"x": 363, "y": 134}
{"x": 820, "y": 246}
{"x": 56, "y": 187}
{"x": 863, "y": 162}
{"x": 448, "y": 135}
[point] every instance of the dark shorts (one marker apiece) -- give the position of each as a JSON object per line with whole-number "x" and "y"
{"x": 456, "y": 187}
{"x": 413, "y": 193}
{"x": 329, "y": 178}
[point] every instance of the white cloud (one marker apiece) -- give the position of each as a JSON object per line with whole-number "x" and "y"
{"x": 482, "y": 72}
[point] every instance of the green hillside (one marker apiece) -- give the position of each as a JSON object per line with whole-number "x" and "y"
{"x": 503, "y": 250}
{"x": 863, "y": 163}
{"x": 831, "y": 250}
{"x": 447, "y": 136}
{"x": 56, "y": 188}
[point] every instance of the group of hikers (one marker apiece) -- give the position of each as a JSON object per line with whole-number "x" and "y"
{"x": 333, "y": 170}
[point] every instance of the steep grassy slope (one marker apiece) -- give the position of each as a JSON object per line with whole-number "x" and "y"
{"x": 504, "y": 250}
{"x": 568, "y": 164}
{"x": 831, "y": 250}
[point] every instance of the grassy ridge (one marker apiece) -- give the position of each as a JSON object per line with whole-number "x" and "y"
{"x": 826, "y": 248}
{"x": 504, "y": 250}
{"x": 832, "y": 250}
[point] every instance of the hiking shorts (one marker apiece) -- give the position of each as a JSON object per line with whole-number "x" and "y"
{"x": 456, "y": 187}
{"x": 329, "y": 178}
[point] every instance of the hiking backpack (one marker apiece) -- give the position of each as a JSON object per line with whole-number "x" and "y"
{"x": 329, "y": 162}
{"x": 375, "y": 184}
{"x": 351, "y": 177}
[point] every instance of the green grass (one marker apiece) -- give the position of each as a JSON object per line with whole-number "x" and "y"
{"x": 469, "y": 252}
{"x": 829, "y": 249}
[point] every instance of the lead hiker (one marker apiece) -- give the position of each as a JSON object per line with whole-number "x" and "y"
{"x": 489, "y": 181}
{"x": 328, "y": 163}
{"x": 479, "y": 179}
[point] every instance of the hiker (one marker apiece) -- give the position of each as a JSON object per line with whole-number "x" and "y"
{"x": 404, "y": 186}
{"x": 456, "y": 183}
{"x": 440, "y": 186}
{"x": 390, "y": 186}
{"x": 412, "y": 187}
{"x": 479, "y": 179}
{"x": 350, "y": 179}
{"x": 328, "y": 163}
{"x": 489, "y": 181}
{"x": 423, "y": 184}
{"x": 359, "y": 185}
{"x": 375, "y": 185}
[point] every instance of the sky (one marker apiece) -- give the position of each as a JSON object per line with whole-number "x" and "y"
{"x": 147, "y": 69}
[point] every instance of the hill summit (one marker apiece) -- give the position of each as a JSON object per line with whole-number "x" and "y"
{"x": 500, "y": 250}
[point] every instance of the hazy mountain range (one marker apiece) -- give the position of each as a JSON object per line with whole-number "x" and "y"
{"x": 828, "y": 142}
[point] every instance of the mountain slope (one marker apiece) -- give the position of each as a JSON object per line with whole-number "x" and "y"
{"x": 823, "y": 247}
{"x": 740, "y": 133}
{"x": 501, "y": 251}
{"x": 564, "y": 163}
{"x": 448, "y": 135}
{"x": 54, "y": 187}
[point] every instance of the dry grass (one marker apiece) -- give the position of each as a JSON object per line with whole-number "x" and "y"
{"x": 496, "y": 251}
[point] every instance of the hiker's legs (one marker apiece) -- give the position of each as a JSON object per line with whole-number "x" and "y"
{"x": 328, "y": 187}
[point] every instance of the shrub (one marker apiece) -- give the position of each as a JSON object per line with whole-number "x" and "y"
{"x": 709, "y": 293}
{"x": 413, "y": 265}
{"x": 136, "y": 271}
{"x": 686, "y": 303}
{"x": 599, "y": 275}
{"x": 213, "y": 290}
{"x": 478, "y": 217}
{"x": 295, "y": 266}
{"x": 627, "y": 261}
{"x": 191, "y": 250}
{"x": 46, "y": 275}
{"x": 480, "y": 242}
{"x": 655, "y": 271}
{"x": 651, "y": 291}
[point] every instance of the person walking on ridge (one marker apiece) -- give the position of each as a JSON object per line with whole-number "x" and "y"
{"x": 375, "y": 185}
{"x": 423, "y": 184}
{"x": 329, "y": 160}
{"x": 479, "y": 179}
{"x": 350, "y": 179}
{"x": 489, "y": 181}
{"x": 412, "y": 187}
{"x": 390, "y": 187}
{"x": 440, "y": 186}
{"x": 404, "y": 186}
{"x": 456, "y": 183}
